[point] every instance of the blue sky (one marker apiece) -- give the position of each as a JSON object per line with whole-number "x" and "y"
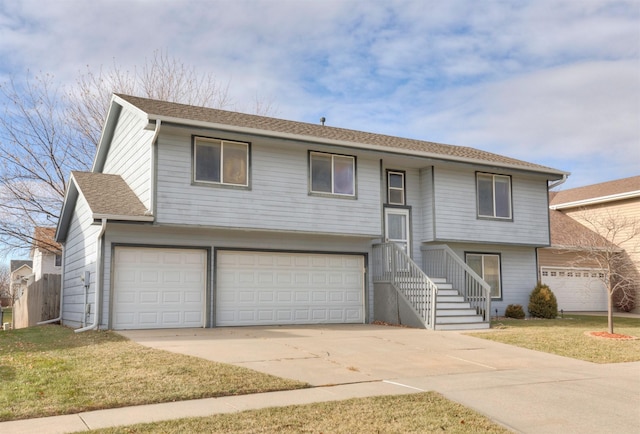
{"x": 551, "y": 82}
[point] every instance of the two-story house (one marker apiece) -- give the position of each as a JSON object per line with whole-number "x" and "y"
{"x": 196, "y": 217}
{"x": 577, "y": 215}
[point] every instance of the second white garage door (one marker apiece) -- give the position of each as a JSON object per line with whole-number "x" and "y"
{"x": 158, "y": 288}
{"x": 267, "y": 288}
{"x": 576, "y": 289}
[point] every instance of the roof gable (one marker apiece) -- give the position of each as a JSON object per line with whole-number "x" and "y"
{"x": 170, "y": 112}
{"x": 108, "y": 196}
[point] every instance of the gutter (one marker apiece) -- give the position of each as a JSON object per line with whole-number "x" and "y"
{"x": 597, "y": 200}
{"x": 557, "y": 183}
{"x": 98, "y": 292}
{"x": 152, "y": 186}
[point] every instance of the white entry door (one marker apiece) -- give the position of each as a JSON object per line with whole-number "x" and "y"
{"x": 397, "y": 229}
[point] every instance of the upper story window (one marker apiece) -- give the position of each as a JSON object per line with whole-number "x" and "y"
{"x": 494, "y": 195}
{"x": 220, "y": 162}
{"x": 332, "y": 174}
{"x": 58, "y": 260}
{"x": 395, "y": 188}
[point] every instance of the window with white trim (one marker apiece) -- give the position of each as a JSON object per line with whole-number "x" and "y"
{"x": 395, "y": 188}
{"x": 332, "y": 174}
{"x": 220, "y": 162}
{"x": 494, "y": 195}
{"x": 487, "y": 266}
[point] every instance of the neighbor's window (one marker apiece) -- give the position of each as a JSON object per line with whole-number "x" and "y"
{"x": 395, "y": 188}
{"x": 221, "y": 162}
{"x": 494, "y": 195}
{"x": 58, "y": 260}
{"x": 332, "y": 174}
{"x": 487, "y": 266}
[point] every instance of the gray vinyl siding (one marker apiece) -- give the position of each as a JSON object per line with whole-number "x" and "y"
{"x": 426, "y": 187}
{"x": 79, "y": 256}
{"x": 150, "y": 236}
{"x": 518, "y": 272}
{"x": 130, "y": 154}
{"x": 278, "y": 197}
{"x": 414, "y": 200}
{"x": 456, "y": 214}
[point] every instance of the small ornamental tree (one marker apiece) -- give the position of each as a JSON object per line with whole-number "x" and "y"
{"x": 542, "y": 302}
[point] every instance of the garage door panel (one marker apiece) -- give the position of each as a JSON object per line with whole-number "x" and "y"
{"x": 256, "y": 288}
{"x": 158, "y": 288}
{"x": 576, "y": 289}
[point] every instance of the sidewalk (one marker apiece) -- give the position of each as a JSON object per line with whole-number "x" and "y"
{"x": 198, "y": 408}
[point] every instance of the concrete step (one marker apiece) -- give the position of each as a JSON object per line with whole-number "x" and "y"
{"x": 453, "y": 305}
{"x": 464, "y": 326}
{"x": 458, "y": 319}
{"x": 455, "y": 312}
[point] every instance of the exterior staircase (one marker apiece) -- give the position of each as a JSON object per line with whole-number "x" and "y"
{"x": 452, "y": 312}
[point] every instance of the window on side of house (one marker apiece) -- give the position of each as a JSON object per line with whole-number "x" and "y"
{"x": 487, "y": 266}
{"x": 395, "y": 188}
{"x": 494, "y": 195}
{"x": 58, "y": 260}
{"x": 220, "y": 162}
{"x": 332, "y": 174}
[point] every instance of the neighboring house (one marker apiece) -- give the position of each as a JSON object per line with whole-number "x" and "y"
{"x": 578, "y": 284}
{"x": 21, "y": 275}
{"x": 46, "y": 253}
{"x": 196, "y": 217}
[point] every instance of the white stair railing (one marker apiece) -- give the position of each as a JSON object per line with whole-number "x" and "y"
{"x": 392, "y": 265}
{"x": 441, "y": 261}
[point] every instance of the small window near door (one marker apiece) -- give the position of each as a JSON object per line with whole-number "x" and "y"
{"x": 395, "y": 188}
{"x": 487, "y": 266}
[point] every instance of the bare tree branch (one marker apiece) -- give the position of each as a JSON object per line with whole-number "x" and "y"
{"x": 47, "y": 131}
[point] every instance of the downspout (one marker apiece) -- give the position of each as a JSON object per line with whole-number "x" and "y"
{"x": 98, "y": 292}
{"x": 152, "y": 181}
{"x": 49, "y": 321}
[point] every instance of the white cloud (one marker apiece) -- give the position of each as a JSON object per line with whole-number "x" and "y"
{"x": 555, "y": 82}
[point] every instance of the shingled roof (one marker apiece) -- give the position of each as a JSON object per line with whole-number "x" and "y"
{"x": 568, "y": 233}
{"x": 109, "y": 195}
{"x": 186, "y": 114}
{"x": 597, "y": 193}
{"x": 43, "y": 239}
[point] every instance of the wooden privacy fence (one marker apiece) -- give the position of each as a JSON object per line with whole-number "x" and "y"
{"x": 40, "y": 302}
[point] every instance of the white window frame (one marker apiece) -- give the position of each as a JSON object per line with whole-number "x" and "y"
{"x": 402, "y": 189}
{"x": 333, "y": 180}
{"x": 494, "y": 207}
{"x": 482, "y": 273}
{"x": 204, "y": 141}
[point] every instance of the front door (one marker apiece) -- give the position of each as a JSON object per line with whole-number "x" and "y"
{"x": 397, "y": 228}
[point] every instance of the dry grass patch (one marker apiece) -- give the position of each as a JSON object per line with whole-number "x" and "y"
{"x": 51, "y": 370}
{"x": 414, "y": 413}
{"x": 566, "y": 337}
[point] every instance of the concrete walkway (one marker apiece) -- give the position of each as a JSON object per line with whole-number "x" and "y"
{"x": 526, "y": 391}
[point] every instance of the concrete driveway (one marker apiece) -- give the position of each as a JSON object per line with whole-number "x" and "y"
{"x": 525, "y": 390}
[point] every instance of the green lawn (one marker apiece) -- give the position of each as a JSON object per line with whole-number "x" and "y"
{"x": 50, "y": 370}
{"x": 567, "y": 337}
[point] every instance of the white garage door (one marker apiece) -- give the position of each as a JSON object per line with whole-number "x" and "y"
{"x": 158, "y": 288}
{"x": 576, "y": 289}
{"x": 263, "y": 288}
